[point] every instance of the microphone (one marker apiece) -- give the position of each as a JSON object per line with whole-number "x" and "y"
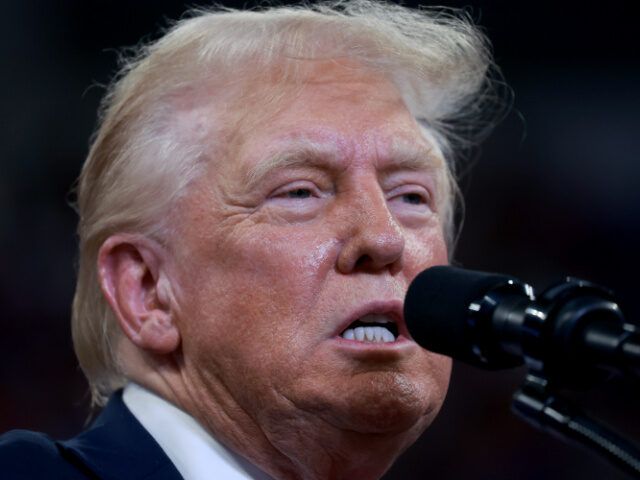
{"x": 572, "y": 334}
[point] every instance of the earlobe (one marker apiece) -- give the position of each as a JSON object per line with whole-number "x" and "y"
{"x": 130, "y": 270}
{"x": 158, "y": 334}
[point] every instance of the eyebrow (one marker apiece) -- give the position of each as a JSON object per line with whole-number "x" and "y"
{"x": 413, "y": 156}
{"x": 307, "y": 153}
{"x": 301, "y": 153}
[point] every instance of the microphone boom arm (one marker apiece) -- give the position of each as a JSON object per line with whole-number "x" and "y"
{"x": 534, "y": 403}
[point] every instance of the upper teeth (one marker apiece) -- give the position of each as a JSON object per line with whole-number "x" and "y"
{"x": 370, "y": 334}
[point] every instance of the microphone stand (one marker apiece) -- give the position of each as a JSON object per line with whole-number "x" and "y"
{"x": 560, "y": 314}
{"x": 572, "y": 336}
{"x": 537, "y": 404}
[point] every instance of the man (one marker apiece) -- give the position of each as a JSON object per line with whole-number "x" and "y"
{"x": 261, "y": 191}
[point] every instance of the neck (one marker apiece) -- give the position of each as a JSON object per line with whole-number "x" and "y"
{"x": 301, "y": 446}
{"x": 295, "y": 445}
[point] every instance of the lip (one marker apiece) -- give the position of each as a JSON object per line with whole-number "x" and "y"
{"x": 391, "y": 308}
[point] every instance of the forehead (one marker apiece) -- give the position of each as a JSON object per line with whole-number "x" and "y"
{"x": 334, "y": 111}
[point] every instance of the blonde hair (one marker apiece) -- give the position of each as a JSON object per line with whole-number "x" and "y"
{"x": 138, "y": 165}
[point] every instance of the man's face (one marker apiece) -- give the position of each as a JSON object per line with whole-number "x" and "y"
{"x": 321, "y": 213}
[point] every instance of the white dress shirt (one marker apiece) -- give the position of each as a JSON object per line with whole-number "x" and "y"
{"x": 193, "y": 451}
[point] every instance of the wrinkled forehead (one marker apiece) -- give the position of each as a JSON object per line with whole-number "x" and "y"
{"x": 233, "y": 104}
{"x": 277, "y": 116}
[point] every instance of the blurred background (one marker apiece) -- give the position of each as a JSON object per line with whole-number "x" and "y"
{"x": 555, "y": 191}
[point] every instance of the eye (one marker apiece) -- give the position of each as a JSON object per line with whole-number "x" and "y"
{"x": 294, "y": 191}
{"x": 414, "y": 198}
{"x": 410, "y": 195}
{"x": 295, "y": 202}
{"x": 297, "y": 193}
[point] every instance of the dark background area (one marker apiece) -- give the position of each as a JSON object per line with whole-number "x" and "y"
{"x": 555, "y": 192}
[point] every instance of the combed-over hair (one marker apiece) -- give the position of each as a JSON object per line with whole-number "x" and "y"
{"x": 138, "y": 165}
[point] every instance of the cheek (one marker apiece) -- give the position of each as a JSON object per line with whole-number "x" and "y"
{"x": 255, "y": 287}
{"x": 425, "y": 248}
{"x": 283, "y": 262}
{"x": 248, "y": 324}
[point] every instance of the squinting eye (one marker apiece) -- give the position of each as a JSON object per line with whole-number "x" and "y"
{"x": 298, "y": 193}
{"x": 413, "y": 198}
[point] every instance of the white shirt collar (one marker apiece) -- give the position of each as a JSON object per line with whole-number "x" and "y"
{"x": 193, "y": 451}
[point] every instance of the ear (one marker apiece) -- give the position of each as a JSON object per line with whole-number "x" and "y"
{"x": 131, "y": 276}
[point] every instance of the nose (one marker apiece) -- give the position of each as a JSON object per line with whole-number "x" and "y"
{"x": 376, "y": 241}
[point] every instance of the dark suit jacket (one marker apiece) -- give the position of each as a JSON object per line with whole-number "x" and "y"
{"x": 116, "y": 447}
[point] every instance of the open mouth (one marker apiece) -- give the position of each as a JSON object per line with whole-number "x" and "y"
{"x": 372, "y": 328}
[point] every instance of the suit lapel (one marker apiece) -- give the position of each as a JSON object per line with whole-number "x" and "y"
{"x": 118, "y": 447}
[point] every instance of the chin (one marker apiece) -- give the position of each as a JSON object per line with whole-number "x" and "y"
{"x": 388, "y": 403}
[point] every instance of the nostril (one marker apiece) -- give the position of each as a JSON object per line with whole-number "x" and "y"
{"x": 363, "y": 259}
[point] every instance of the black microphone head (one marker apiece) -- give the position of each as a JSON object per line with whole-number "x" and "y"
{"x": 439, "y": 318}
